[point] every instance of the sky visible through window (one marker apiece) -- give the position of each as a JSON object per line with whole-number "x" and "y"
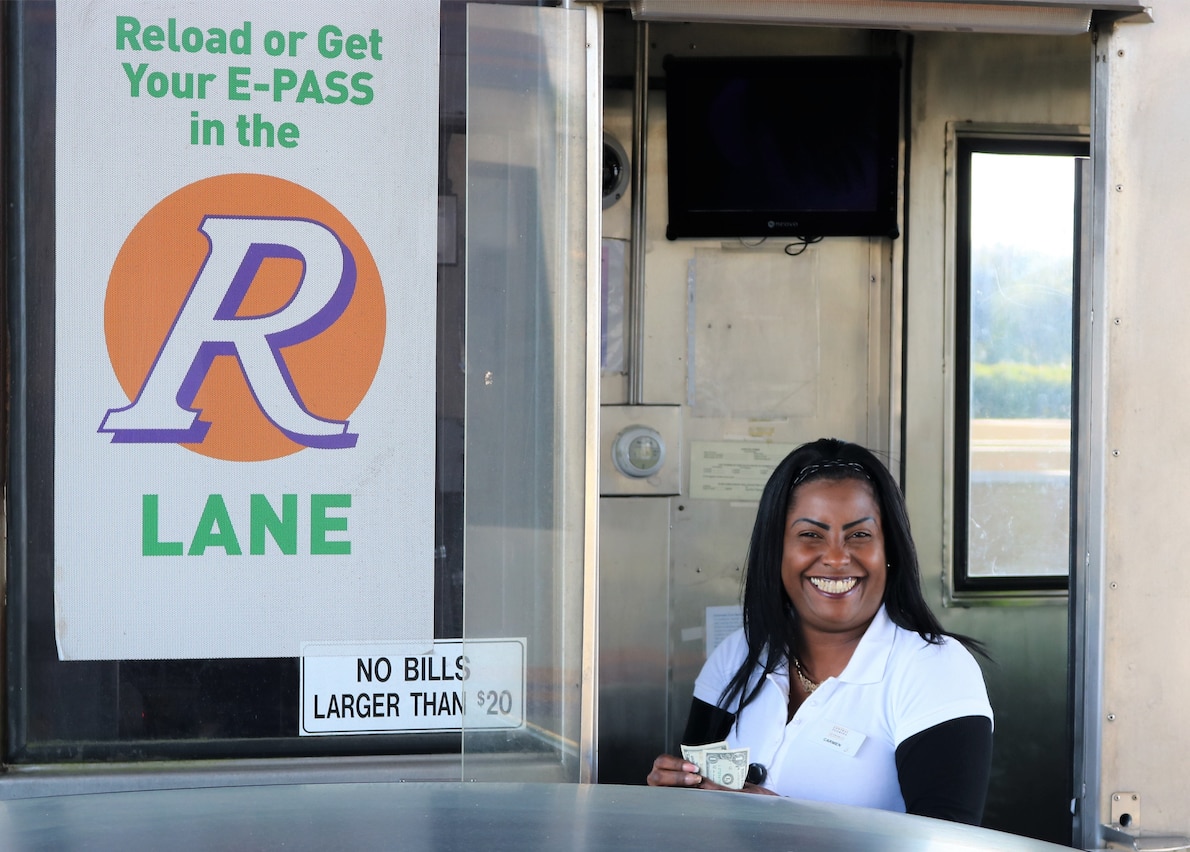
{"x": 1023, "y": 200}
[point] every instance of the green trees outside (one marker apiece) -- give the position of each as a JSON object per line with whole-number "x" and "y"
{"x": 1021, "y": 333}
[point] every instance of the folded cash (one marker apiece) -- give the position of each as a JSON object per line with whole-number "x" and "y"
{"x": 725, "y": 766}
{"x": 697, "y": 754}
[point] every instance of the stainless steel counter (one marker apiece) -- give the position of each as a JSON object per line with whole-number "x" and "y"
{"x": 471, "y": 817}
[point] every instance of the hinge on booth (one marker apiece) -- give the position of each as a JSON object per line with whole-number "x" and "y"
{"x": 1125, "y": 831}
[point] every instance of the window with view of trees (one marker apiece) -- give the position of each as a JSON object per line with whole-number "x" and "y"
{"x": 1015, "y": 389}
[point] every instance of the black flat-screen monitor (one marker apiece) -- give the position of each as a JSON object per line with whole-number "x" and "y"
{"x": 792, "y": 146}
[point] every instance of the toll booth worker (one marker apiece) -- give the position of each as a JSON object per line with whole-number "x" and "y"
{"x": 842, "y": 683}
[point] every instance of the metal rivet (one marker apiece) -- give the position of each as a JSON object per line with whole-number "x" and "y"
{"x": 1119, "y": 187}
{"x": 1111, "y": 717}
{"x": 1113, "y": 585}
{"x": 1116, "y": 320}
{"x": 1115, "y": 452}
{"x": 1119, "y": 53}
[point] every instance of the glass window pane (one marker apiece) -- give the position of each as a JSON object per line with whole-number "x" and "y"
{"x": 1020, "y": 301}
{"x": 511, "y": 374}
{"x": 526, "y": 316}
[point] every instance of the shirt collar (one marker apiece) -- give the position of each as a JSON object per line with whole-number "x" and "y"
{"x": 871, "y": 655}
{"x": 869, "y": 660}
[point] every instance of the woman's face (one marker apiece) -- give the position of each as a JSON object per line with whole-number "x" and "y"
{"x": 833, "y": 567}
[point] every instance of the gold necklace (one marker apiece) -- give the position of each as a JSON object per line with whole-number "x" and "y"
{"x": 804, "y": 678}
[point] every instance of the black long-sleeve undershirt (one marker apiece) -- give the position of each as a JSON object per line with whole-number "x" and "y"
{"x": 944, "y": 770}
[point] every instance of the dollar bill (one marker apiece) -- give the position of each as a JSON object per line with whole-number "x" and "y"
{"x": 728, "y": 767}
{"x": 697, "y": 754}
{"x": 719, "y": 763}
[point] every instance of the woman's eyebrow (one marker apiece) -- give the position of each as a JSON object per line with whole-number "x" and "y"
{"x": 823, "y": 526}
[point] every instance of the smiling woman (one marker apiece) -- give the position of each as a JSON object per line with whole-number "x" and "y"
{"x": 888, "y": 710}
{"x": 833, "y": 565}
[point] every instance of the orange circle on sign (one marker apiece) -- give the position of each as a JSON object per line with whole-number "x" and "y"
{"x": 152, "y": 277}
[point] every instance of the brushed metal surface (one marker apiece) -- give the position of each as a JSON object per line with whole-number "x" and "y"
{"x": 472, "y": 816}
{"x": 633, "y": 635}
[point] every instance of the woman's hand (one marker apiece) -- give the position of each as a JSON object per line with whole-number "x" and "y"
{"x": 755, "y": 789}
{"x": 670, "y": 771}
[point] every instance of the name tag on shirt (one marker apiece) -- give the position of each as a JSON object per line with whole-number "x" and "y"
{"x": 837, "y": 738}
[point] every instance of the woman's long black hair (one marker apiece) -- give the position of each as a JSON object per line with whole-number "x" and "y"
{"x": 770, "y": 621}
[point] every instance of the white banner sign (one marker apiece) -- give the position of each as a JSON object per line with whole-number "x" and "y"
{"x": 245, "y": 308}
{"x": 477, "y": 684}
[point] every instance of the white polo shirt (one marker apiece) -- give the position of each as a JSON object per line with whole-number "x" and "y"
{"x": 840, "y": 745}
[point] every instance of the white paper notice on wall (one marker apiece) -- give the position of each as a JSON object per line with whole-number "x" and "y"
{"x": 733, "y": 470}
{"x": 722, "y": 621}
{"x": 246, "y": 265}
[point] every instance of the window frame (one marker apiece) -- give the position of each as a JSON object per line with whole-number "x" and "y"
{"x": 963, "y": 141}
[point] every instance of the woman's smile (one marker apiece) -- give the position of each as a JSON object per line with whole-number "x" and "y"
{"x": 834, "y": 585}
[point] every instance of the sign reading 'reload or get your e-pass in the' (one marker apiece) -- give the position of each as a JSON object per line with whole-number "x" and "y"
{"x": 475, "y": 684}
{"x": 245, "y": 326}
